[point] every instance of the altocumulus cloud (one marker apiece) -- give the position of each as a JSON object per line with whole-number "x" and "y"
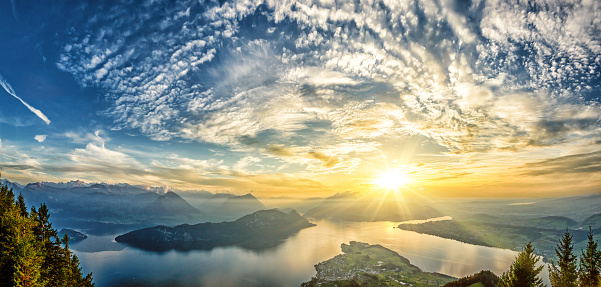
{"x": 40, "y": 138}
{"x": 472, "y": 76}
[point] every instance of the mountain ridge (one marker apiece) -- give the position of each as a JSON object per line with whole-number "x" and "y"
{"x": 171, "y": 204}
{"x": 261, "y": 229}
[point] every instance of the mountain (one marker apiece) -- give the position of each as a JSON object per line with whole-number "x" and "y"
{"x": 101, "y": 208}
{"x": 194, "y": 197}
{"x": 82, "y": 187}
{"x": 171, "y": 204}
{"x": 372, "y": 265}
{"x": 14, "y": 185}
{"x": 593, "y": 221}
{"x": 552, "y": 222}
{"x": 39, "y": 186}
{"x": 73, "y": 235}
{"x": 226, "y": 206}
{"x": 548, "y": 222}
{"x": 98, "y": 207}
{"x": 215, "y": 201}
{"x": 70, "y": 184}
{"x": 512, "y": 237}
{"x": 114, "y": 188}
{"x": 244, "y": 204}
{"x": 380, "y": 207}
{"x": 221, "y": 196}
{"x": 577, "y": 208}
{"x": 258, "y": 230}
{"x": 301, "y": 205}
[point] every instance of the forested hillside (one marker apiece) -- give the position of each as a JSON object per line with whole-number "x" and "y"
{"x": 31, "y": 253}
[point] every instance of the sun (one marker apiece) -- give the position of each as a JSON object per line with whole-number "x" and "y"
{"x": 392, "y": 179}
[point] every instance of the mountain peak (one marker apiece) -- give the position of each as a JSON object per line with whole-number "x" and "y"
{"x": 171, "y": 194}
{"x": 294, "y": 212}
{"x": 36, "y": 186}
{"x": 171, "y": 203}
{"x": 244, "y": 197}
{"x": 14, "y": 185}
{"x": 261, "y": 218}
{"x": 222, "y": 195}
{"x": 344, "y": 195}
{"x": 248, "y": 200}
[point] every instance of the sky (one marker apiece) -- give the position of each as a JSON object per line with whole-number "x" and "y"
{"x": 305, "y": 98}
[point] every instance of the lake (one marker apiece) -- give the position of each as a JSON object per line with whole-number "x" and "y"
{"x": 288, "y": 264}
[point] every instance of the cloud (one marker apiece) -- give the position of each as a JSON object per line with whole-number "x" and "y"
{"x": 14, "y": 9}
{"x": 245, "y": 162}
{"x": 328, "y": 161}
{"x": 97, "y": 162}
{"x": 40, "y": 138}
{"x": 10, "y": 90}
{"x": 99, "y": 154}
{"x": 279, "y": 150}
{"x": 98, "y": 136}
{"x": 16, "y": 162}
{"x": 570, "y": 164}
{"x": 324, "y": 85}
{"x": 17, "y": 166}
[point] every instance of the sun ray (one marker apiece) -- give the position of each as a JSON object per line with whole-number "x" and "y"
{"x": 392, "y": 179}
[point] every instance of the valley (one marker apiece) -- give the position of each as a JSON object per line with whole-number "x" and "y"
{"x": 139, "y": 217}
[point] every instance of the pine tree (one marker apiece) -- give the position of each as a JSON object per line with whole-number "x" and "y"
{"x": 31, "y": 254}
{"x": 523, "y": 271}
{"x": 565, "y": 273}
{"x": 590, "y": 263}
{"x": 20, "y": 255}
{"x": 21, "y": 205}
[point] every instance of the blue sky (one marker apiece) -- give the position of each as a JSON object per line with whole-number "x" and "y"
{"x": 476, "y": 98}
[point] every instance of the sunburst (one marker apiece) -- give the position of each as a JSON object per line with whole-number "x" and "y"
{"x": 392, "y": 179}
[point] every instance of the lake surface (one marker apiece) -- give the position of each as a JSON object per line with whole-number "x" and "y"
{"x": 288, "y": 264}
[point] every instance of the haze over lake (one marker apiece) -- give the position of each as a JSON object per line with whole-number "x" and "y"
{"x": 288, "y": 264}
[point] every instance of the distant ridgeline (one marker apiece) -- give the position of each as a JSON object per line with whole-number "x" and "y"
{"x": 509, "y": 234}
{"x": 111, "y": 207}
{"x": 226, "y": 206}
{"x": 261, "y": 229}
{"x": 372, "y": 265}
{"x": 72, "y": 234}
{"x": 31, "y": 253}
{"x": 353, "y": 206}
{"x": 83, "y": 204}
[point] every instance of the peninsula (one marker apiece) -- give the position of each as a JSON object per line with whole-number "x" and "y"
{"x": 372, "y": 265}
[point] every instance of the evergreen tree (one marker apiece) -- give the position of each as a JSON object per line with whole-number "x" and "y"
{"x": 523, "y": 271}
{"x": 6, "y": 198}
{"x": 590, "y": 263}
{"x": 31, "y": 254}
{"x": 21, "y": 205}
{"x": 20, "y": 255}
{"x": 565, "y": 273}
